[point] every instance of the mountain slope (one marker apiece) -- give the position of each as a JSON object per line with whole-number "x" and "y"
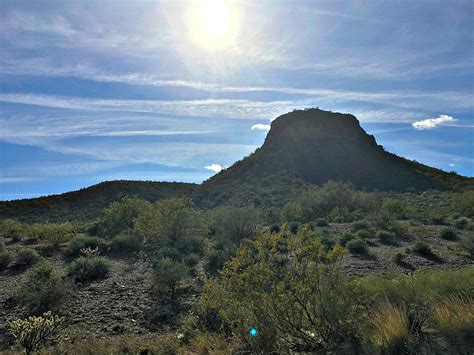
{"x": 315, "y": 146}
{"x": 303, "y": 148}
{"x": 85, "y": 204}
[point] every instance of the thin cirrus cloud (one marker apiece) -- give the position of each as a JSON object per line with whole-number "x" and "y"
{"x": 431, "y": 123}
{"x": 215, "y": 167}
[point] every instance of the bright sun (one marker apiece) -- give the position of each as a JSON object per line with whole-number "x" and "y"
{"x": 212, "y": 24}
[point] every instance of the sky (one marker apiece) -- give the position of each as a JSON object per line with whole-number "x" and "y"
{"x": 177, "y": 90}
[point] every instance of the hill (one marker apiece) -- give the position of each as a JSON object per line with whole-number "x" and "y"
{"x": 85, "y": 204}
{"x": 313, "y": 146}
{"x": 303, "y": 148}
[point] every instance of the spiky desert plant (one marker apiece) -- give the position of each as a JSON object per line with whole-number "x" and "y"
{"x": 33, "y": 332}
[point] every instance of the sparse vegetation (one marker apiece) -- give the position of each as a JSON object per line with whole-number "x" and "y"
{"x": 448, "y": 233}
{"x": 357, "y": 246}
{"x": 83, "y": 242}
{"x": 88, "y": 268}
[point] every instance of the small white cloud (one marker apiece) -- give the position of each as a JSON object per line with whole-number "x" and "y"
{"x": 431, "y": 123}
{"x": 215, "y": 167}
{"x": 263, "y": 127}
{"x": 451, "y": 164}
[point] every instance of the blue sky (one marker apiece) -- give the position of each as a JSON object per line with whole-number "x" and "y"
{"x": 171, "y": 91}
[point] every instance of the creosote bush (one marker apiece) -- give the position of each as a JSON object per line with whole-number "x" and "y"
{"x": 88, "y": 268}
{"x": 126, "y": 242}
{"x": 10, "y": 228}
{"x": 33, "y": 333}
{"x": 6, "y": 258}
{"x": 421, "y": 248}
{"x": 448, "y": 233}
{"x": 385, "y": 237}
{"x": 26, "y": 257}
{"x": 357, "y": 246}
{"x": 85, "y": 241}
{"x": 43, "y": 289}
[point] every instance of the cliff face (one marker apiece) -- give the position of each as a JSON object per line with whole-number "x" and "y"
{"x": 316, "y": 146}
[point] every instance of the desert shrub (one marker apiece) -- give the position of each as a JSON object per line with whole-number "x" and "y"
{"x": 126, "y": 242}
{"x": 448, "y": 233}
{"x": 454, "y": 318}
{"x": 33, "y": 333}
{"x": 120, "y": 216}
{"x": 167, "y": 276}
{"x": 10, "y": 228}
{"x": 327, "y": 241}
{"x": 357, "y": 246}
{"x": 398, "y": 209}
{"x": 421, "y": 248}
{"x": 43, "y": 289}
{"x": 461, "y": 223}
{"x": 346, "y": 237}
{"x": 166, "y": 223}
{"x": 218, "y": 255}
{"x": 321, "y": 222}
{"x": 340, "y": 215}
{"x": 281, "y": 285}
{"x": 360, "y": 225}
{"x": 190, "y": 245}
{"x": 52, "y": 233}
{"x": 400, "y": 228}
{"x": 84, "y": 242}
{"x": 235, "y": 223}
{"x": 87, "y": 269}
{"x": 274, "y": 228}
{"x": 385, "y": 237}
{"x": 390, "y": 330}
{"x": 191, "y": 260}
{"x": 292, "y": 211}
{"x": 364, "y": 234}
{"x": 167, "y": 252}
{"x": 6, "y": 258}
{"x": 26, "y": 257}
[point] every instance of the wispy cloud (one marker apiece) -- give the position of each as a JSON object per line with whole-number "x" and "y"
{"x": 263, "y": 127}
{"x": 215, "y": 167}
{"x": 431, "y": 123}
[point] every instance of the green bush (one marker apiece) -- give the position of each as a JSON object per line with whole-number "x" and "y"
{"x": 359, "y": 225}
{"x": 420, "y": 247}
{"x": 346, "y": 237}
{"x": 126, "y": 242}
{"x": 167, "y": 276}
{"x": 120, "y": 217}
{"x": 166, "y": 223}
{"x": 84, "y": 242}
{"x": 26, "y": 257}
{"x": 364, "y": 234}
{"x": 43, "y": 288}
{"x": 448, "y": 233}
{"x": 10, "y": 228}
{"x": 191, "y": 260}
{"x": 5, "y": 259}
{"x": 51, "y": 233}
{"x": 321, "y": 222}
{"x": 385, "y": 237}
{"x": 87, "y": 269}
{"x": 357, "y": 246}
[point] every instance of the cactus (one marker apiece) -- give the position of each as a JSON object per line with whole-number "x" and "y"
{"x": 32, "y": 333}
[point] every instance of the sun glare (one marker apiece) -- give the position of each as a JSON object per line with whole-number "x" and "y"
{"x": 212, "y": 24}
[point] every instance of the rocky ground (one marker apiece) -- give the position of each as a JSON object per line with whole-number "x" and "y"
{"x": 122, "y": 303}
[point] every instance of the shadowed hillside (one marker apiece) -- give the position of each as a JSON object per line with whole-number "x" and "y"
{"x": 316, "y": 146}
{"x": 87, "y": 203}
